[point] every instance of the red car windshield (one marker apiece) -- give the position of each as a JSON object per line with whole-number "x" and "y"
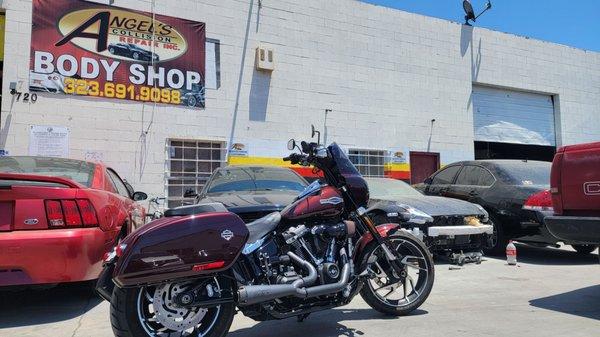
{"x": 79, "y": 171}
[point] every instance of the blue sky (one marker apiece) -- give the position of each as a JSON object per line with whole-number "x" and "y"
{"x": 570, "y": 22}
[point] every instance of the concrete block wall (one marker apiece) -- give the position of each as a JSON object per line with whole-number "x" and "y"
{"x": 384, "y": 73}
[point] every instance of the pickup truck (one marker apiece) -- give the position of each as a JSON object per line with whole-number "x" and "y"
{"x": 575, "y": 190}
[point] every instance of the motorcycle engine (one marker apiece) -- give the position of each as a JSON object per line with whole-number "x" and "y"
{"x": 318, "y": 245}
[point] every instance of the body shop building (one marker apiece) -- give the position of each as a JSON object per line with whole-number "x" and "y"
{"x": 166, "y": 91}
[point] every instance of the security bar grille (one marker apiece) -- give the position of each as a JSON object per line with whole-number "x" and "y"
{"x": 189, "y": 165}
{"x": 370, "y": 163}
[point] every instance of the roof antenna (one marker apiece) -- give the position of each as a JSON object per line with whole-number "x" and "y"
{"x": 470, "y": 13}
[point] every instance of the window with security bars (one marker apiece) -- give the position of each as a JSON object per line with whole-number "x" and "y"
{"x": 370, "y": 163}
{"x": 190, "y": 164}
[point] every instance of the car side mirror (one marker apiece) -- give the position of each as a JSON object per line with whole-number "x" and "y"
{"x": 190, "y": 193}
{"x": 428, "y": 181}
{"x": 139, "y": 196}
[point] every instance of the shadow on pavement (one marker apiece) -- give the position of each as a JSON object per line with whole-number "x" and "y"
{"x": 36, "y": 306}
{"x": 321, "y": 324}
{"x": 584, "y": 302}
{"x": 550, "y": 256}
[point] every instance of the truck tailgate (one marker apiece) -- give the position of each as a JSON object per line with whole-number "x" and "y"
{"x": 6, "y": 215}
{"x": 580, "y": 179}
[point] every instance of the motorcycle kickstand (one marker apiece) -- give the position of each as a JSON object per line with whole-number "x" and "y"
{"x": 301, "y": 318}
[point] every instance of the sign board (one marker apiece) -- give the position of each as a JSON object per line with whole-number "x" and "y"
{"x": 49, "y": 141}
{"x": 238, "y": 150}
{"x": 398, "y": 157}
{"x": 90, "y": 49}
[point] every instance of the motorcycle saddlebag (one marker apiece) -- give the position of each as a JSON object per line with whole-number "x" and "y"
{"x": 180, "y": 247}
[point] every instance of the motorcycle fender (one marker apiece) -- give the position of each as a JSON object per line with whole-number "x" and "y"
{"x": 384, "y": 230}
{"x": 180, "y": 247}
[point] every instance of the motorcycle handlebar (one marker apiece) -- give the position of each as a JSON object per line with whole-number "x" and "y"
{"x": 294, "y": 158}
{"x": 309, "y": 151}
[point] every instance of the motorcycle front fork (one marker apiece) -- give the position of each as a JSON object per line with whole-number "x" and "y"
{"x": 393, "y": 256}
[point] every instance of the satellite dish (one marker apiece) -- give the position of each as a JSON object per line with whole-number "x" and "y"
{"x": 470, "y": 13}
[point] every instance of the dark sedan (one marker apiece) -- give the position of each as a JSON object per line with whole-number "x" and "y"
{"x": 194, "y": 97}
{"x": 252, "y": 191}
{"x": 132, "y": 51}
{"x": 456, "y": 225}
{"x": 514, "y": 192}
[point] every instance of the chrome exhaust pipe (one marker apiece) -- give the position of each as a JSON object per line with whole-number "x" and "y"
{"x": 253, "y": 294}
{"x": 332, "y": 287}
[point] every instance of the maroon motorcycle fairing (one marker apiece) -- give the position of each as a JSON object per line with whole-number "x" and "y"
{"x": 327, "y": 203}
{"x": 181, "y": 247}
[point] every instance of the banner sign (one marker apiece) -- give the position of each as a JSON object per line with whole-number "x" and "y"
{"x": 89, "y": 49}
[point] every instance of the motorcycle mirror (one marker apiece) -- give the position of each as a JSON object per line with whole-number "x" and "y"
{"x": 291, "y": 145}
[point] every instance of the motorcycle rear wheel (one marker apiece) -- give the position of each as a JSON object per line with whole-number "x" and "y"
{"x": 384, "y": 282}
{"x": 132, "y": 314}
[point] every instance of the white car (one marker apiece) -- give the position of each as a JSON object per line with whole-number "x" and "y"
{"x": 53, "y": 82}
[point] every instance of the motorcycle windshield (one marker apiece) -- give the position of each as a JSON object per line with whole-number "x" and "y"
{"x": 344, "y": 165}
{"x": 356, "y": 185}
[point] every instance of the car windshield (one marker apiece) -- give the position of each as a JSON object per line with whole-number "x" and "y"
{"x": 230, "y": 180}
{"x": 387, "y": 188}
{"x": 79, "y": 171}
{"x": 525, "y": 172}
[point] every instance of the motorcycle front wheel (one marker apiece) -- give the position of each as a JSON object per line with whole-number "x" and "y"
{"x": 150, "y": 311}
{"x": 392, "y": 292}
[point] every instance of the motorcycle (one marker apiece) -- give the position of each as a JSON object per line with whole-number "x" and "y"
{"x": 185, "y": 274}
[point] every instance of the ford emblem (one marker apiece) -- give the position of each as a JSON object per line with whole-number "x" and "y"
{"x": 31, "y": 222}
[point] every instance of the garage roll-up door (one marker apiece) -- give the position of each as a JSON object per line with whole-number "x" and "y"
{"x": 506, "y": 116}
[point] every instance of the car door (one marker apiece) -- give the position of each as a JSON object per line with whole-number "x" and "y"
{"x": 472, "y": 183}
{"x": 440, "y": 182}
{"x": 120, "y": 49}
{"x": 129, "y": 211}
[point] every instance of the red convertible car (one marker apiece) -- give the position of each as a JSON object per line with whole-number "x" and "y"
{"x": 58, "y": 217}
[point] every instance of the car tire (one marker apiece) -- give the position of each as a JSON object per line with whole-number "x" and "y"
{"x": 136, "y": 56}
{"x": 584, "y": 249}
{"x": 111, "y": 50}
{"x": 499, "y": 240}
{"x": 192, "y": 101}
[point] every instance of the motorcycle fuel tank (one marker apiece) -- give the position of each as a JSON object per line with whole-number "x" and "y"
{"x": 180, "y": 247}
{"x": 325, "y": 203}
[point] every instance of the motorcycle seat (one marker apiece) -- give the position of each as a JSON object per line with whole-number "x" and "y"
{"x": 261, "y": 227}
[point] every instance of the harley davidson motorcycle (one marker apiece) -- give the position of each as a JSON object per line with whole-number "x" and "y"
{"x": 185, "y": 274}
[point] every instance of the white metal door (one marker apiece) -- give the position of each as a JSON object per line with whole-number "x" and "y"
{"x": 507, "y": 116}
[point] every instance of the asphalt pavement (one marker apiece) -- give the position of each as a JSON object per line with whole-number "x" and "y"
{"x": 551, "y": 292}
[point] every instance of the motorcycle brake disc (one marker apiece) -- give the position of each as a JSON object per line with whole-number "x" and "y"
{"x": 169, "y": 314}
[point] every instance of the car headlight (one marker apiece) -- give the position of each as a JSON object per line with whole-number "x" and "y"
{"x": 413, "y": 215}
{"x": 485, "y": 216}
